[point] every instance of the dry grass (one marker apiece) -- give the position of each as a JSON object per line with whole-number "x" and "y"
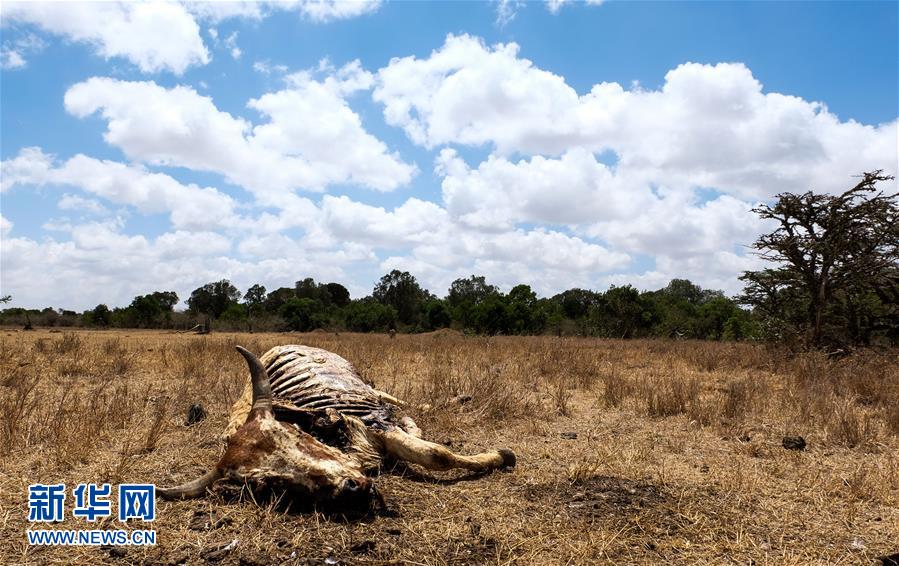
{"x": 678, "y": 453}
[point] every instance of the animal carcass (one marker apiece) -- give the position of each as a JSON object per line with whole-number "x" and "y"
{"x": 308, "y": 424}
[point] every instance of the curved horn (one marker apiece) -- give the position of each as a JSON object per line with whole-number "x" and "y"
{"x": 262, "y": 388}
{"x": 191, "y": 489}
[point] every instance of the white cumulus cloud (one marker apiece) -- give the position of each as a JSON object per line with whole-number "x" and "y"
{"x": 574, "y": 189}
{"x": 413, "y": 222}
{"x": 328, "y": 10}
{"x": 555, "y": 5}
{"x": 314, "y": 10}
{"x": 11, "y": 59}
{"x": 155, "y": 36}
{"x": 231, "y": 44}
{"x": 709, "y": 125}
{"x": 179, "y": 261}
{"x": 76, "y": 202}
{"x": 294, "y": 149}
{"x": 190, "y": 206}
{"x": 13, "y": 52}
{"x": 30, "y": 166}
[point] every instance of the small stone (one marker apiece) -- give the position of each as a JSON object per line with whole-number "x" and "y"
{"x": 569, "y": 435}
{"x": 207, "y": 521}
{"x": 195, "y": 414}
{"x": 857, "y": 545}
{"x": 114, "y": 551}
{"x": 794, "y": 443}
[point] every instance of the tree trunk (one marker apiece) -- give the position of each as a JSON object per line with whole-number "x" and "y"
{"x": 819, "y": 302}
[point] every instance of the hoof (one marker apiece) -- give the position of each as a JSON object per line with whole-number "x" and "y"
{"x": 508, "y": 456}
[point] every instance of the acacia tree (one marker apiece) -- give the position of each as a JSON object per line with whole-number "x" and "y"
{"x": 275, "y": 299}
{"x": 400, "y": 290}
{"x": 829, "y": 251}
{"x": 339, "y": 294}
{"x": 254, "y": 298}
{"x": 465, "y": 295}
{"x": 213, "y": 299}
{"x": 146, "y": 310}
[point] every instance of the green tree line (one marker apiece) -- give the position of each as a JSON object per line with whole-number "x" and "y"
{"x": 399, "y": 302}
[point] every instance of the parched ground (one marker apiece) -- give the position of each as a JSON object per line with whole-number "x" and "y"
{"x": 628, "y": 452}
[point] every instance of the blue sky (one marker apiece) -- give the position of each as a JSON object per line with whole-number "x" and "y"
{"x": 160, "y": 146}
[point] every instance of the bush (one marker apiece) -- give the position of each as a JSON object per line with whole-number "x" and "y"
{"x": 301, "y": 314}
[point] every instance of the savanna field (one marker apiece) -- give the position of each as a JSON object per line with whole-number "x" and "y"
{"x": 628, "y": 451}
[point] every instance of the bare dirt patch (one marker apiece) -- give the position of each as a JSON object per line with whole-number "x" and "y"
{"x": 601, "y": 498}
